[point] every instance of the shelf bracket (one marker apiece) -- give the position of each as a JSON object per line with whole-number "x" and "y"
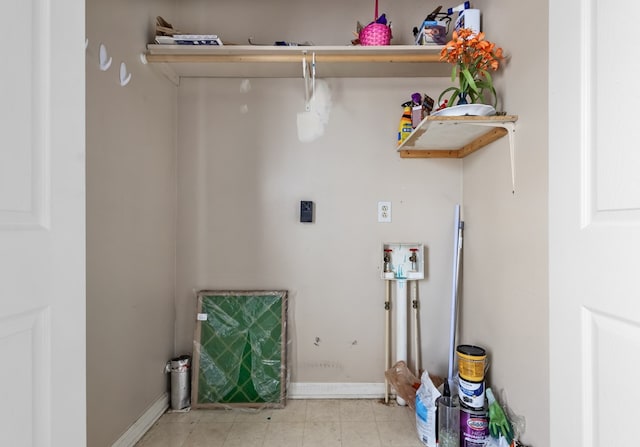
{"x": 510, "y": 127}
{"x": 163, "y": 68}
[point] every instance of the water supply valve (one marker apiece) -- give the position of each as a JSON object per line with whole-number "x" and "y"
{"x": 387, "y": 261}
{"x": 414, "y": 259}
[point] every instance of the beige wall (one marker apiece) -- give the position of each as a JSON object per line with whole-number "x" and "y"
{"x": 131, "y": 177}
{"x": 505, "y": 302}
{"x": 241, "y": 178}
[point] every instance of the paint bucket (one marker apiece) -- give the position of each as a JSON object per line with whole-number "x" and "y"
{"x": 471, "y": 393}
{"x": 471, "y": 362}
{"x": 474, "y": 426}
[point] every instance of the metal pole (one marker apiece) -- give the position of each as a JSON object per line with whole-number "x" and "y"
{"x": 387, "y": 341}
{"x": 457, "y": 247}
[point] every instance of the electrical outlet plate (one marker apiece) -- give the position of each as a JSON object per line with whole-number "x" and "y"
{"x": 384, "y": 212}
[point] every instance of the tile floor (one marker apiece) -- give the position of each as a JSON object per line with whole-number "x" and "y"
{"x": 302, "y": 423}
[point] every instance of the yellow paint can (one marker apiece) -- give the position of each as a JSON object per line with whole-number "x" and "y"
{"x": 471, "y": 362}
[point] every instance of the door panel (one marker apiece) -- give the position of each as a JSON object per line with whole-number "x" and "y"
{"x": 594, "y": 233}
{"x": 25, "y": 376}
{"x": 42, "y": 296}
{"x": 613, "y": 117}
{"x": 609, "y": 342}
{"x": 23, "y": 116}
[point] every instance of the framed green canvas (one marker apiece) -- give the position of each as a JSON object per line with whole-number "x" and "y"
{"x": 239, "y": 357}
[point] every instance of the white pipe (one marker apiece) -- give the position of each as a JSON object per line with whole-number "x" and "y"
{"x": 416, "y": 327}
{"x": 387, "y": 341}
{"x": 401, "y": 325}
{"x": 457, "y": 246}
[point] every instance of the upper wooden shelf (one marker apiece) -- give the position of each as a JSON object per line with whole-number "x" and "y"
{"x": 254, "y": 61}
{"x": 455, "y": 136}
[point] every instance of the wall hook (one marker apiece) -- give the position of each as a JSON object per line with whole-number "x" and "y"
{"x": 313, "y": 74}
{"x": 105, "y": 59}
{"x": 306, "y": 77}
{"x": 125, "y": 77}
{"x": 86, "y": 43}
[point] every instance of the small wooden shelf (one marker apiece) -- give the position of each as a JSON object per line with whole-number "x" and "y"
{"x": 455, "y": 136}
{"x": 458, "y": 136}
{"x": 254, "y": 61}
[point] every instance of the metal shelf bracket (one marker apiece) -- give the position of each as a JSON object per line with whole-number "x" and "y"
{"x": 510, "y": 127}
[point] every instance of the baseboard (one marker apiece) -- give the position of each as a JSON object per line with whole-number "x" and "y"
{"x": 308, "y": 390}
{"x": 144, "y": 422}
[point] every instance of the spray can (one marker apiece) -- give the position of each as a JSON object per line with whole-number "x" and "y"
{"x": 405, "y": 128}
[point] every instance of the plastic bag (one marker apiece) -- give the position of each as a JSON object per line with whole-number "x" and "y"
{"x": 493, "y": 442}
{"x": 518, "y": 422}
{"x": 404, "y": 382}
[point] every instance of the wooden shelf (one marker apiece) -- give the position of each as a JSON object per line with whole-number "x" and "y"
{"x": 254, "y": 61}
{"x": 455, "y": 136}
{"x": 459, "y": 136}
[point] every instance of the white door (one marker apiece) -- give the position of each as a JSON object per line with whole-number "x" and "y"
{"x": 42, "y": 298}
{"x": 594, "y": 199}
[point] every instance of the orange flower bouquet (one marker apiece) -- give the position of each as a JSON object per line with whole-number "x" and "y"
{"x": 472, "y": 57}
